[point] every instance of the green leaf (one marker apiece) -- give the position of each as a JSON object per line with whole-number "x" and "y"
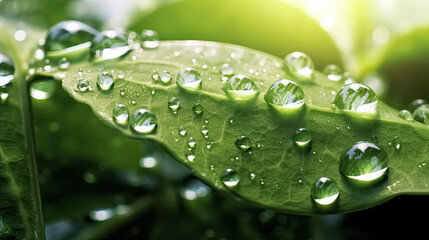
{"x": 283, "y": 174}
{"x": 20, "y": 208}
{"x": 403, "y": 61}
{"x": 271, "y": 26}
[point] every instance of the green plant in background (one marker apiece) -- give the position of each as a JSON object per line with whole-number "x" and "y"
{"x": 271, "y": 129}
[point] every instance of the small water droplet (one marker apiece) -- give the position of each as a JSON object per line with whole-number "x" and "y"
{"x": 174, "y": 104}
{"x": 83, "y": 85}
{"x": 406, "y": 115}
{"x": 243, "y": 143}
{"x": 63, "y": 63}
{"x": 197, "y": 108}
{"x": 252, "y": 176}
{"x": 121, "y": 75}
{"x": 356, "y": 97}
{"x": 190, "y": 155}
{"x": 396, "y": 143}
{"x": 348, "y": 78}
{"x": 325, "y": 191}
{"x": 7, "y": 70}
{"x": 421, "y": 114}
{"x": 189, "y": 78}
{"x": 165, "y": 78}
{"x": 155, "y": 76}
{"x": 363, "y": 162}
{"x": 121, "y": 114}
{"x": 230, "y": 178}
{"x": 302, "y": 138}
{"x": 133, "y": 102}
{"x": 240, "y": 87}
{"x": 205, "y": 131}
{"x": 150, "y": 39}
{"x": 191, "y": 142}
{"x": 105, "y": 81}
{"x": 182, "y": 131}
{"x": 143, "y": 121}
{"x": 333, "y": 72}
{"x": 299, "y": 65}
{"x": 109, "y": 44}
{"x": 226, "y": 70}
{"x": 122, "y": 92}
{"x": 285, "y": 94}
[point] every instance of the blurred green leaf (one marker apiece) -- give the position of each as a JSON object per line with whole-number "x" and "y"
{"x": 271, "y": 26}
{"x": 403, "y": 61}
{"x": 283, "y": 174}
{"x": 20, "y": 208}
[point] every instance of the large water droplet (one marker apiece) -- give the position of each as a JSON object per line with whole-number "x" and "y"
{"x": 7, "y": 70}
{"x": 325, "y": 191}
{"x": 421, "y": 114}
{"x": 299, "y": 65}
{"x": 240, "y": 87}
{"x": 143, "y": 121}
{"x": 174, "y": 104}
{"x": 406, "y": 115}
{"x": 363, "y": 162}
{"x": 333, "y": 72}
{"x": 189, "y": 78}
{"x": 109, "y": 44}
{"x": 105, "y": 81}
{"x": 285, "y": 94}
{"x": 67, "y": 37}
{"x": 356, "y": 97}
{"x": 197, "y": 108}
{"x": 417, "y": 103}
{"x": 243, "y": 143}
{"x": 230, "y": 178}
{"x": 150, "y": 39}
{"x": 121, "y": 114}
{"x": 302, "y": 138}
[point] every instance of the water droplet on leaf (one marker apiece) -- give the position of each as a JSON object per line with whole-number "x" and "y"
{"x": 406, "y": 115}
{"x": 363, "y": 162}
{"x": 121, "y": 114}
{"x": 240, "y": 87}
{"x": 421, "y": 114}
{"x": 109, "y": 44}
{"x": 226, "y": 70}
{"x": 174, "y": 104}
{"x": 243, "y": 143}
{"x": 333, "y": 72}
{"x": 83, "y": 85}
{"x": 182, "y": 131}
{"x": 67, "y": 37}
{"x": 356, "y": 97}
{"x": 299, "y": 65}
{"x": 325, "y": 191}
{"x": 285, "y": 94}
{"x": 189, "y": 78}
{"x": 417, "y": 103}
{"x": 197, "y": 108}
{"x": 230, "y": 178}
{"x": 42, "y": 90}
{"x": 302, "y": 138}
{"x": 143, "y": 121}
{"x": 165, "y": 78}
{"x": 105, "y": 81}
{"x": 150, "y": 39}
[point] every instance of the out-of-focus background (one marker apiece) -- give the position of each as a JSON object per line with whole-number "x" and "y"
{"x": 97, "y": 184}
